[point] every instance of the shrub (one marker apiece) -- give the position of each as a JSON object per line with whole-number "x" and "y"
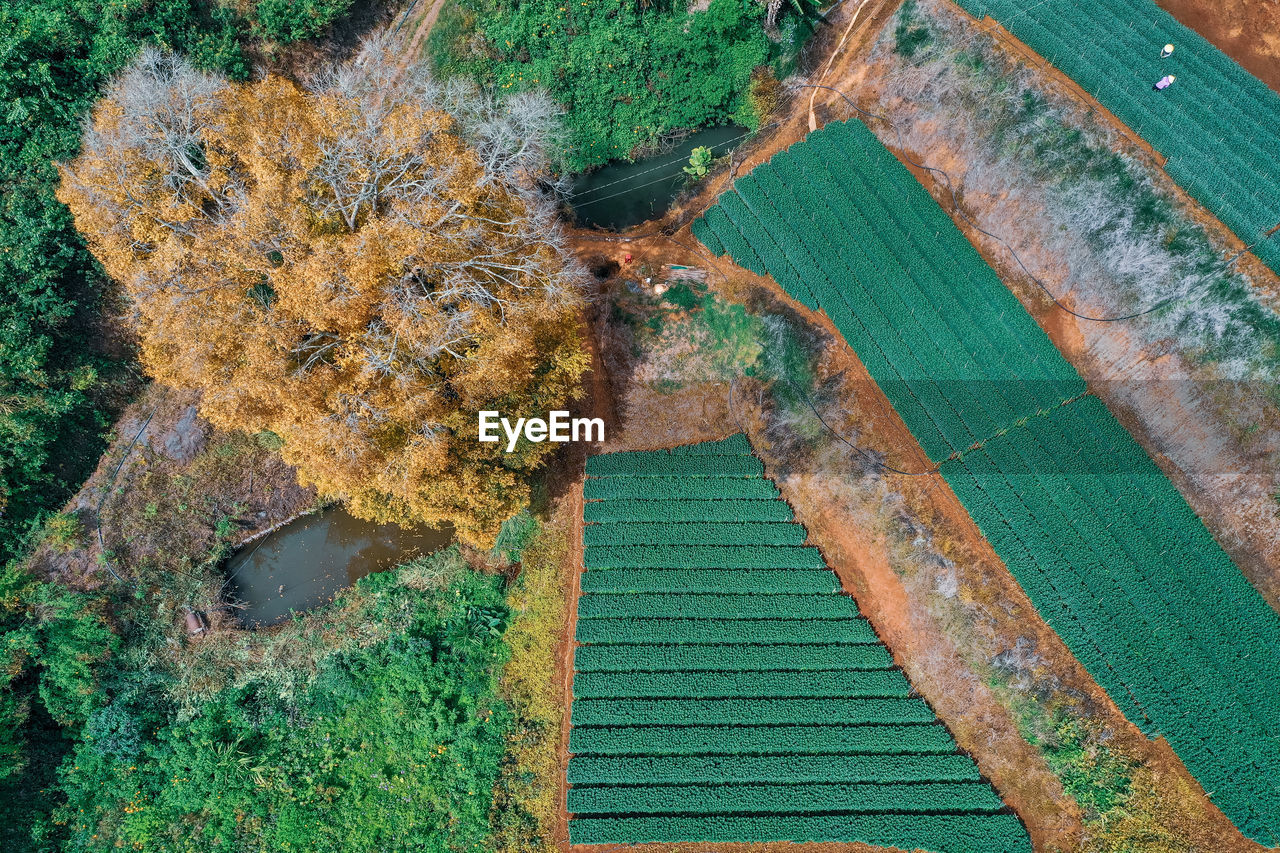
{"x": 63, "y": 530}
{"x": 293, "y": 20}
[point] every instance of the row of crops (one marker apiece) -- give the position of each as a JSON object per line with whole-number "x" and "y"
{"x": 1126, "y": 573}
{"x": 1218, "y": 125}
{"x": 949, "y": 345}
{"x": 1104, "y": 545}
{"x": 725, "y": 689}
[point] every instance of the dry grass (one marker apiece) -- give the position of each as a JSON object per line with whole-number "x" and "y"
{"x": 163, "y": 498}
{"x": 524, "y": 818}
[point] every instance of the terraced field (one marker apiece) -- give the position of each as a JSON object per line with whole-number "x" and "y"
{"x": 1218, "y": 125}
{"x": 1104, "y": 545}
{"x": 725, "y": 689}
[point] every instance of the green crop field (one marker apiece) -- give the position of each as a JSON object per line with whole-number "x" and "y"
{"x": 956, "y": 372}
{"x": 1105, "y": 546}
{"x": 725, "y": 689}
{"x": 1218, "y": 125}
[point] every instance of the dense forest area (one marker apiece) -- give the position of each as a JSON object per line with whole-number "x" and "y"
{"x": 65, "y": 372}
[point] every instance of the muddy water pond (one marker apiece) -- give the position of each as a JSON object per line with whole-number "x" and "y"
{"x": 621, "y": 194}
{"x": 306, "y": 562}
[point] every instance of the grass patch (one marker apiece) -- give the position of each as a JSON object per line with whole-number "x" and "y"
{"x": 1120, "y": 807}
{"x": 515, "y": 535}
{"x": 909, "y": 36}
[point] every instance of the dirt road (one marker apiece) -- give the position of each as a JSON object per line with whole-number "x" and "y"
{"x": 420, "y": 28}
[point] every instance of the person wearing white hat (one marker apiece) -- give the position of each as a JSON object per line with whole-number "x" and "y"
{"x": 1167, "y": 52}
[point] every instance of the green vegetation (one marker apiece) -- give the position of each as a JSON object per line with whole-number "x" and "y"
{"x": 699, "y": 163}
{"x": 924, "y": 797}
{"x": 721, "y": 511}
{"x": 710, "y": 581}
{"x": 63, "y": 530}
{"x": 288, "y": 21}
{"x": 385, "y": 729}
{"x": 641, "y": 629}
{"x": 970, "y": 364}
{"x": 1112, "y": 540}
{"x": 687, "y": 676}
{"x": 1116, "y": 793}
{"x": 700, "y": 556}
{"x": 526, "y": 799}
{"x": 871, "y": 725}
{"x": 680, "y": 488}
{"x": 1216, "y": 124}
{"x": 52, "y": 643}
{"x": 872, "y": 728}
{"x": 908, "y": 35}
{"x": 675, "y": 769}
{"x": 390, "y": 745}
{"x": 515, "y": 535}
{"x": 696, "y": 533}
{"x": 954, "y": 833}
{"x": 59, "y": 386}
{"x": 628, "y": 74}
{"x": 1104, "y": 545}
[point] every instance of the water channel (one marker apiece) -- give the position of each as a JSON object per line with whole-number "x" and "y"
{"x": 304, "y": 563}
{"x": 621, "y": 194}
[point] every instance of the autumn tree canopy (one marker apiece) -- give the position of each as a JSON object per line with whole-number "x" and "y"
{"x": 359, "y": 265}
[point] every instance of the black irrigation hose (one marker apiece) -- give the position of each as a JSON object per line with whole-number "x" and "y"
{"x": 405, "y": 16}
{"x": 864, "y": 454}
{"x": 955, "y": 199}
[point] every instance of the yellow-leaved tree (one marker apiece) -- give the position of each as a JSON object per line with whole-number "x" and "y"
{"x": 359, "y": 265}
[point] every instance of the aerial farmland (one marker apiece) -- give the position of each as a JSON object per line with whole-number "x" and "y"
{"x": 725, "y": 426}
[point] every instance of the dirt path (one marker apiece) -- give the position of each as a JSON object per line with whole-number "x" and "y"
{"x": 421, "y": 29}
{"x": 564, "y": 657}
{"x": 1246, "y": 30}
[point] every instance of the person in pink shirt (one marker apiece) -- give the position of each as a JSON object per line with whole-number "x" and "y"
{"x": 1164, "y": 82}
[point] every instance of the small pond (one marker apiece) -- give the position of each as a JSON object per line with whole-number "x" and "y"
{"x": 304, "y": 564}
{"x": 620, "y": 194}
